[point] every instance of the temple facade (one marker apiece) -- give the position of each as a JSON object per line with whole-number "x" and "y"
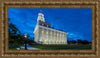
{"x": 44, "y": 34}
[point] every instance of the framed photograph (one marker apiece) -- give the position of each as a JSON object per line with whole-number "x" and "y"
{"x": 46, "y": 28}
{"x": 50, "y": 28}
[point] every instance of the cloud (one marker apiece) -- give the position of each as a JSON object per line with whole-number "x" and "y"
{"x": 74, "y": 36}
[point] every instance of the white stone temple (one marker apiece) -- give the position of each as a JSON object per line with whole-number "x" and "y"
{"x": 44, "y": 34}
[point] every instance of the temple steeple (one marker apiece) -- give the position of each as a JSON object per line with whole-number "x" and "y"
{"x": 41, "y": 16}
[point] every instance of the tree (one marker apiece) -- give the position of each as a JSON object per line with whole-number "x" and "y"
{"x": 79, "y": 41}
{"x": 85, "y": 42}
{"x": 71, "y": 42}
{"x": 15, "y": 37}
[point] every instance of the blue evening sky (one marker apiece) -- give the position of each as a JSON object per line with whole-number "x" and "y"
{"x": 75, "y": 21}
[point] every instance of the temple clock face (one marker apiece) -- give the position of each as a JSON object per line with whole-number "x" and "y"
{"x": 50, "y": 28}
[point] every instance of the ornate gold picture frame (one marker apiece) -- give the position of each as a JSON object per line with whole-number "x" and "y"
{"x": 94, "y": 5}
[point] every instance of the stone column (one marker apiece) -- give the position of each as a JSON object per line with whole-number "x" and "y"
{"x": 66, "y": 38}
{"x": 63, "y": 38}
{"x": 57, "y": 38}
{"x": 47, "y": 36}
{"x": 60, "y": 38}
{"x": 51, "y": 36}
{"x": 42, "y": 35}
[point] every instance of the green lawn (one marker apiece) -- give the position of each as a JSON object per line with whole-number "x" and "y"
{"x": 62, "y": 47}
{"x": 58, "y": 47}
{"x": 13, "y": 48}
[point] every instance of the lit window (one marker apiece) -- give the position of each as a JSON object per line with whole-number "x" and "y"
{"x": 50, "y": 36}
{"x": 57, "y": 34}
{"x": 51, "y": 41}
{"x": 42, "y": 24}
{"x": 47, "y": 32}
{"x": 47, "y": 36}
{"x": 42, "y": 40}
{"x": 42, "y": 32}
{"x": 47, "y": 25}
{"x": 51, "y": 33}
{"x": 47, "y": 40}
{"x": 54, "y": 33}
{"x": 55, "y": 41}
